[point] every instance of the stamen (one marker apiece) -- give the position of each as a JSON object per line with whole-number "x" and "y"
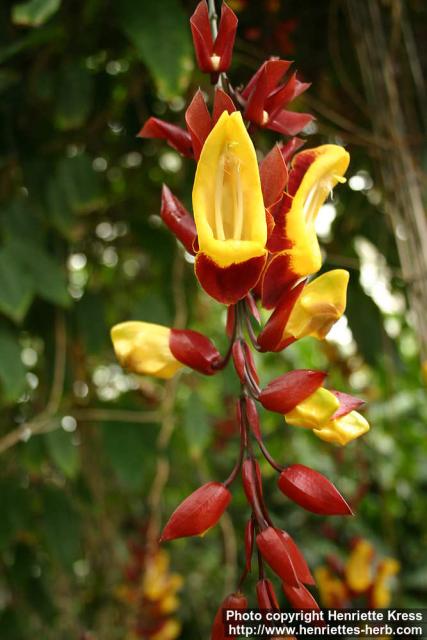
{"x": 219, "y": 185}
{"x": 238, "y": 203}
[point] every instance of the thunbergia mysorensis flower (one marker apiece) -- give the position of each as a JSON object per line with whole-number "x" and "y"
{"x": 253, "y": 237}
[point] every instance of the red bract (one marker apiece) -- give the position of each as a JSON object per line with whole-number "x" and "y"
{"x": 347, "y": 403}
{"x": 270, "y": 338}
{"x": 312, "y": 491}
{"x": 284, "y": 393}
{"x": 253, "y": 418}
{"x": 233, "y": 601}
{"x": 176, "y": 137}
{"x": 266, "y": 99}
{"x": 239, "y": 360}
{"x": 213, "y": 56}
{"x": 266, "y": 596}
{"x": 274, "y": 550}
{"x": 178, "y": 219}
{"x": 198, "y": 513}
{"x": 274, "y": 176}
{"x": 194, "y": 350}
{"x": 199, "y": 121}
{"x": 299, "y": 597}
{"x": 298, "y": 560}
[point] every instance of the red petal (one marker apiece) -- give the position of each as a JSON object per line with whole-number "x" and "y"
{"x": 250, "y": 362}
{"x": 253, "y": 308}
{"x": 223, "y": 46}
{"x": 202, "y": 37}
{"x": 274, "y": 176}
{"x": 289, "y": 123}
{"x": 249, "y": 544}
{"x": 198, "y": 121}
{"x": 278, "y": 279}
{"x": 347, "y": 403}
{"x": 281, "y": 96}
{"x": 228, "y": 284}
{"x": 234, "y": 601}
{"x": 198, "y": 513}
{"x": 239, "y": 360}
{"x": 275, "y": 553}
{"x": 290, "y": 148}
{"x": 222, "y": 102}
{"x": 178, "y": 220}
{"x": 312, "y": 491}
{"x": 254, "y": 110}
{"x": 299, "y": 597}
{"x": 270, "y": 338}
{"x": 194, "y": 350}
{"x": 175, "y": 136}
{"x": 265, "y": 595}
{"x": 300, "y": 164}
{"x": 253, "y": 418}
{"x": 284, "y": 393}
{"x": 298, "y": 560}
{"x": 274, "y": 69}
{"x": 251, "y": 479}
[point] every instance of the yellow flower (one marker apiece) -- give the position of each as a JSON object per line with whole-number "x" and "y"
{"x": 143, "y": 347}
{"x": 321, "y": 303}
{"x": 169, "y": 631}
{"x": 314, "y": 411}
{"x": 381, "y": 592}
{"x": 332, "y": 590}
{"x": 227, "y": 198}
{"x": 328, "y": 165}
{"x": 358, "y": 570}
{"x": 344, "y": 429}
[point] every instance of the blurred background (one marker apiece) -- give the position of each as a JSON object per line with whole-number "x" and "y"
{"x": 93, "y": 459}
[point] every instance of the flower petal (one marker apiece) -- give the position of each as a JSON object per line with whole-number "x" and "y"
{"x": 315, "y": 411}
{"x": 175, "y": 136}
{"x": 343, "y": 430}
{"x": 178, "y": 219}
{"x": 229, "y": 284}
{"x": 286, "y": 392}
{"x": 194, "y": 350}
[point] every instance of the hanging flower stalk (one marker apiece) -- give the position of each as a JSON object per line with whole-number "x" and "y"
{"x": 252, "y": 234}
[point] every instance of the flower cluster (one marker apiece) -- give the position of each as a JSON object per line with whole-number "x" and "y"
{"x": 364, "y": 580}
{"x": 253, "y": 238}
{"x": 150, "y": 591}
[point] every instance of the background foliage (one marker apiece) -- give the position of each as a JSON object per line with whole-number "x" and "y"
{"x": 82, "y": 247}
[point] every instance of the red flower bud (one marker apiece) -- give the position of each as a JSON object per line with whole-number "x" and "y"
{"x": 312, "y": 491}
{"x": 175, "y": 136}
{"x": 233, "y": 601}
{"x": 213, "y": 56}
{"x": 178, "y": 219}
{"x": 239, "y": 360}
{"x": 274, "y": 550}
{"x": 249, "y": 543}
{"x": 231, "y": 319}
{"x": 253, "y": 418}
{"x": 284, "y": 393}
{"x": 299, "y": 597}
{"x": 198, "y": 513}
{"x": 250, "y": 362}
{"x": 194, "y": 350}
{"x": 298, "y": 560}
{"x": 251, "y": 478}
{"x": 265, "y": 595}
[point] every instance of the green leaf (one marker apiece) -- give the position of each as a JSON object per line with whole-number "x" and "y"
{"x": 196, "y": 425}
{"x": 63, "y": 452}
{"x": 129, "y": 448}
{"x": 60, "y": 214}
{"x": 12, "y": 371}
{"x": 74, "y": 97}
{"x": 35, "y": 12}
{"x": 16, "y": 286}
{"x": 80, "y": 184}
{"x": 61, "y": 527}
{"x": 161, "y": 35}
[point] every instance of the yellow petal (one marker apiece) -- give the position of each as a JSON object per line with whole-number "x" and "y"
{"x": 170, "y": 630}
{"x": 332, "y": 590}
{"x": 358, "y": 570}
{"x": 143, "y": 348}
{"x": 227, "y": 198}
{"x": 327, "y": 169}
{"x": 321, "y": 303}
{"x": 381, "y": 591}
{"x": 314, "y": 411}
{"x": 344, "y": 429}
